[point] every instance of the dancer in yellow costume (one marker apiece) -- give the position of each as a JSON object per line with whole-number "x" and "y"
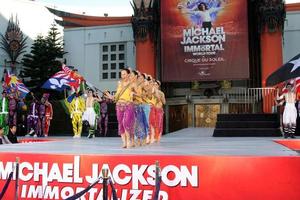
{"x": 124, "y": 108}
{"x": 76, "y": 108}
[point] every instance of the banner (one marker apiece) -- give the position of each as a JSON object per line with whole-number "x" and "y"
{"x": 54, "y": 176}
{"x": 204, "y": 40}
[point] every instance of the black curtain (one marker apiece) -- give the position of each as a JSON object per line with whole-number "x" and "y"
{"x": 254, "y": 45}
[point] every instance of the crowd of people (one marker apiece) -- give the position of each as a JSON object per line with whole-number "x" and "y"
{"x": 11, "y": 137}
{"x": 89, "y": 109}
{"x": 139, "y": 109}
{"x": 15, "y": 115}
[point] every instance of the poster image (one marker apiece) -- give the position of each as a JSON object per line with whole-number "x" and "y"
{"x": 204, "y": 40}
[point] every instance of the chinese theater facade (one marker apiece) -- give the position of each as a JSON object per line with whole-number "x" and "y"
{"x": 208, "y": 63}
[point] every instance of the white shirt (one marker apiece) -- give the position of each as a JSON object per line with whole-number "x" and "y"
{"x": 205, "y": 15}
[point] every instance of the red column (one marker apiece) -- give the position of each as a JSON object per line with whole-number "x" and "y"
{"x": 145, "y": 57}
{"x": 271, "y": 58}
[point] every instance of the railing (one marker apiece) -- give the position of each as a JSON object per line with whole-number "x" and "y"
{"x": 250, "y": 100}
{"x": 107, "y": 180}
{"x": 9, "y": 179}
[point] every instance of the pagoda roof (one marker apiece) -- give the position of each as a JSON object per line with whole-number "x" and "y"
{"x": 72, "y": 20}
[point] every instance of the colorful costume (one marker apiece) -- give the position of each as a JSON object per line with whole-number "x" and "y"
{"x": 41, "y": 118}
{"x": 125, "y": 110}
{"x": 126, "y": 118}
{"x": 77, "y": 107}
{"x": 90, "y": 116}
{"x": 48, "y": 115}
{"x": 141, "y": 124}
{"x": 289, "y": 119}
{"x": 103, "y": 118}
{"x": 153, "y": 114}
{"x": 156, "y": 117}
{"x": 32, "y": 118}
{"x": 21, "y": 114}
{"x": 12, "y": 110}
{"x": 146, "y": 108}
{"x": 4, "y": 114}
{"x": 97, "y": 111}
{"x": 160, "y": 121}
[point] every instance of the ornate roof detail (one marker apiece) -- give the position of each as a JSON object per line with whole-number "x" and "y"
{"x": 145, "y": 20}
{"x": 271, "y": 15}
{"x": 71, "y": 20}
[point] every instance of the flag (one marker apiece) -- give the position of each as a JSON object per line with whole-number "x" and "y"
{"x": 289, "y": 70}
{"x": 66, "y": 69}
{"x": 59, "y": 81}
{"x": 64, "y": 79}
{"x": 296, "y": 83}
{"x": 13, "y": 83}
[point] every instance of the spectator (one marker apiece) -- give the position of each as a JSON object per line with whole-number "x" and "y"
{"x": 3, "y": 138}
{"x": 12, "y": 137}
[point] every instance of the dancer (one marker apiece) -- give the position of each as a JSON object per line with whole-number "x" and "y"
{"x": 32, "y": 118}
{"x": 141, "y": 124}
{"x": 103, "y": 117}
{"x": 76, "y": 108}
{"x": 152, "y": 101}
{"x": 161, "y": 101}
{"x": 4, "y": 112}
{"x": 147, "y": 96}
{"x": 97, "y": 111}
{"x": 13, "y": 102}
{"x": 89, "y": 114}
{"x": 290, "y": 111}
{"x": 48, "y": 114}
{"x": 41, "y": 118}
{"x": 124, "y": 107}
{"x": 153, "y": 112}
{"x": 21, "y": 117}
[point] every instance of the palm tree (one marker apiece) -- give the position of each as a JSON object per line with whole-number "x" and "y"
{"x": 13, "y": 42}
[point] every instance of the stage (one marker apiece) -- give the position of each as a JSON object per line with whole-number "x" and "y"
{"x": 194, "y": 165}
{"x": 190, "y": 141}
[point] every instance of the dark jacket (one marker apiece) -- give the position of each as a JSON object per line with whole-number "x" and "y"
{"x": 12, "y": 137}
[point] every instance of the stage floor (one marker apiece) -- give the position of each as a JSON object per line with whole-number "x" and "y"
{"x": 189, "y": 141}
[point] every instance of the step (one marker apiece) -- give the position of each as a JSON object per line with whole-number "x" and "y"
{"x": 247, "y": 132}
{"x": 247, "y": 117}
{"x": 247, "y": 124}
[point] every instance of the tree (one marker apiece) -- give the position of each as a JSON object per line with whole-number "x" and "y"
{"x": 43, "y": 60}
{"x": 13, "y": 42}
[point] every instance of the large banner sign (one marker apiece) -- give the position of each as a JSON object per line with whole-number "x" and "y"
{"x": 204, "y": 40}
{"x": 183, "y": 177}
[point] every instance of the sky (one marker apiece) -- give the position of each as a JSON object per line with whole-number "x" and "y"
{"x": 99, "y": 7}
{"x": 292, "y": 1}
{"x": 92, "y": 7}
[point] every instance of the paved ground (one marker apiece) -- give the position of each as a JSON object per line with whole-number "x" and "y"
{"x": 190, "y": 141}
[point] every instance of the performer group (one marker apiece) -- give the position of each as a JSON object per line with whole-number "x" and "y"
{"x": 139, "y": 107}
{"x": 88, "y": 109}
{"x": 14, "y": 111}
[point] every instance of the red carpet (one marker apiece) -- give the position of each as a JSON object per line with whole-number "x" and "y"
{"x": 34, "y": 140}
{"x": 291, "y": 144}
